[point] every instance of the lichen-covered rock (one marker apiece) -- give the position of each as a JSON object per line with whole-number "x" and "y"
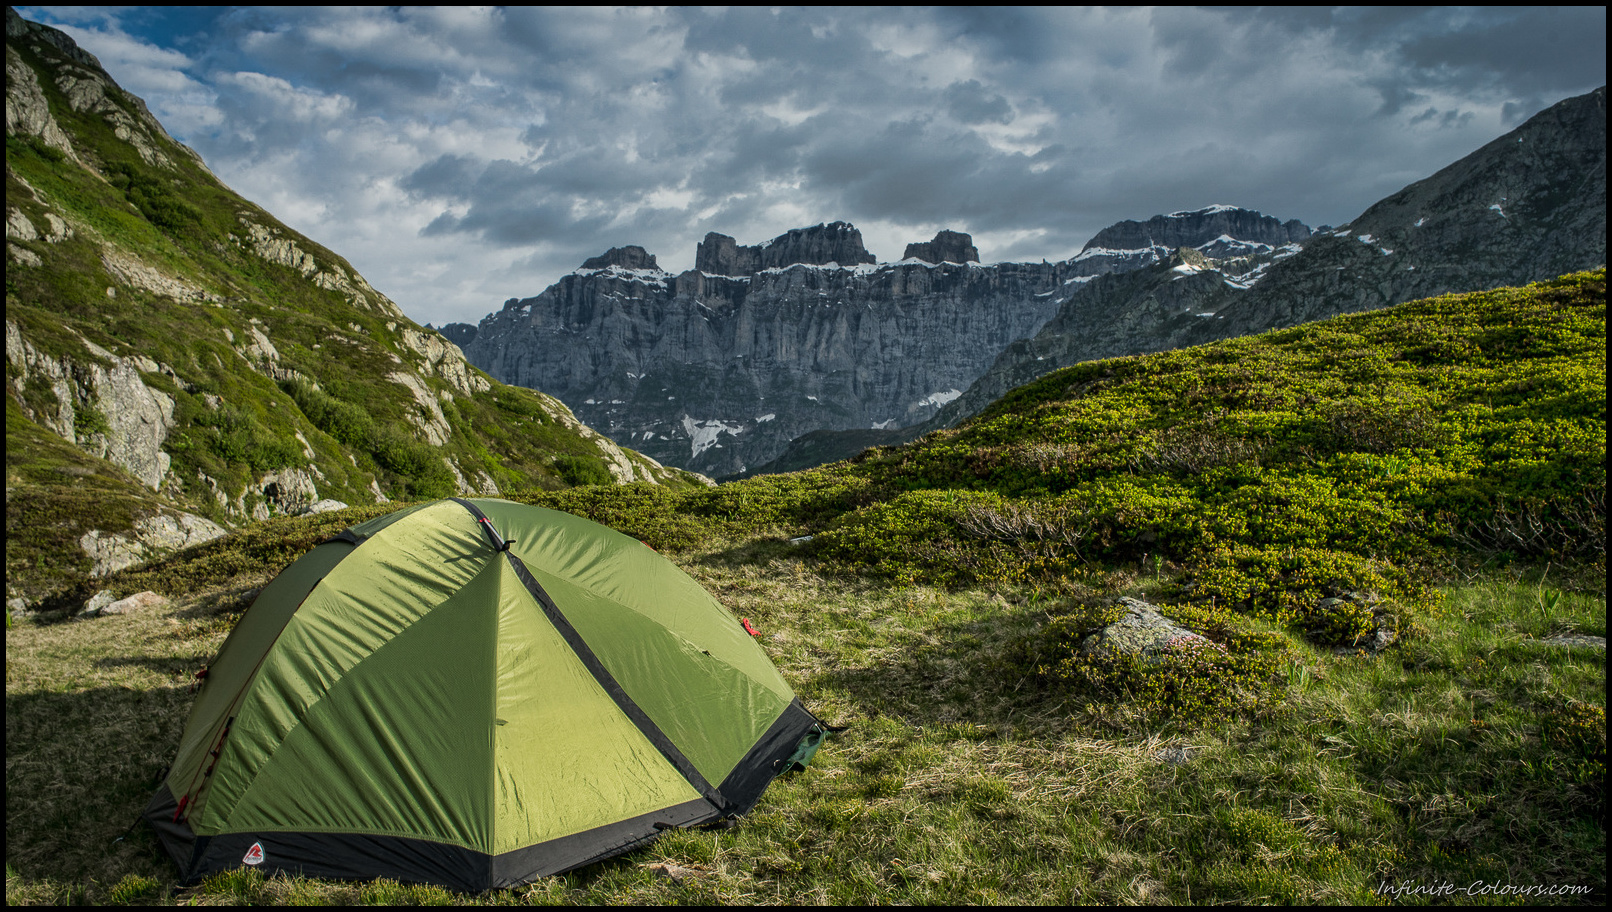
{"x": 96, "y": 602}
{"x": 137, "y": 417}
{"x": 291, "y": 491}
{"x": 428, "y": 418}
{"x": 1384, "y": 625}
{"x": 1142, "y": 631}
{"x": 446, "y": 360}
{"x": 151, "y": 537}
{"x": 134, "y": 273}
{"x": 136, "y": 602}
{"x": 131, "y": 419}
{"x": 27, "y": 111}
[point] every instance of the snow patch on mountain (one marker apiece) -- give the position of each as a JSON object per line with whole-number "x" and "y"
{"x": 702, "y": 434}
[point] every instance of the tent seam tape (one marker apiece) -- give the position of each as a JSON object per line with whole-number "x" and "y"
{"x": 590, "y": 660}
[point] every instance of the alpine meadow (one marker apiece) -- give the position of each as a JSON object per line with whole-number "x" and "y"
{"x": 1266, "y": 569}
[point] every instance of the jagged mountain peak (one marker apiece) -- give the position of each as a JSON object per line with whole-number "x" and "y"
{"x": 629, "y": 257}
{"x": 820, "y": 244}
{"x": 947, "y": 247}
{"x": 1193, "y": 228}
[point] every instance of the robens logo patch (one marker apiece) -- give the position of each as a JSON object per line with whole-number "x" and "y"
{"x": 254, "y": 855}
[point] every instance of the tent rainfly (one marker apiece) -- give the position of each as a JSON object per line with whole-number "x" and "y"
{"x": 473, "y": 693}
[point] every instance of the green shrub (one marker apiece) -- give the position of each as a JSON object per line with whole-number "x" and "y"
{"x": 958, "y": 538}
{"x": 30, "y": 145}
{"x": 87, "y": 420}
{"x": 153, "y": 195}
{"x": 347, "y": 422}
{"x": 134, "y": 889}
{"x": 583, "y": 470}
{"x": 418, "y": 466}
{"x": 235, "y": 436}
{"x": 650, "y": 513}
{"x": 1288, "y": 585}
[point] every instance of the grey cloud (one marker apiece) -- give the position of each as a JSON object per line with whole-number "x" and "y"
{"x": 447, "y": 176}
{"x": 516, "y": 142}
{"x": 971, "y": 104}
{"x": 1031, "y": 35}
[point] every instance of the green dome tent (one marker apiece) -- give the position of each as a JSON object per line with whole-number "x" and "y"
{"x": 473, "y": 693}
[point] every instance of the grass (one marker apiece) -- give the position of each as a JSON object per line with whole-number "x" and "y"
{"x": 963, "y": 778}
{"x": 934, "y": 611}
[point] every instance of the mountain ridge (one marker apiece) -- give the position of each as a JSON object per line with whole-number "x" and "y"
{"x": 718, "y": 368}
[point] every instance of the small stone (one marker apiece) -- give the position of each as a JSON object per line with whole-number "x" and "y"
{"x": 136, "y": 602}
{"x": 1174, "y": 756}
{"x": 1593, "y": 642}
{"x": 675, "y": 872}
{"x": 97, "y": 603}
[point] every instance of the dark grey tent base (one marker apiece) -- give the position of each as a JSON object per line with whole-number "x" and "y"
{"x": 359, "y": 856}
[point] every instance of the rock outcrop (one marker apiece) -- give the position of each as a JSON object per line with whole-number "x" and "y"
{"x": 947, "y": 247}
{"x": 150, "y": 538}
{"x": 820, "y": 245}
{"x": 1141, "y": 632}
{"x": 1200, "y": 226}
{"x": 101, "y": 403}
{"x": 629, "y": 257}
{"x": 1217, "y": 231}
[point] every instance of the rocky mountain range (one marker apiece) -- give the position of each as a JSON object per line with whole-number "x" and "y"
{"x": 719, "y": 368}
{"x": 179, "y": 361}
{"x": 1526, "y": 207}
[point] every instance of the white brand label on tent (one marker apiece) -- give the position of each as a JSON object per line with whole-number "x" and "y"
{"x": 254, "y": 855}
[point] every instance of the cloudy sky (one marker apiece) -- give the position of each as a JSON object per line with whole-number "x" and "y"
{"x": 458, "y": 157}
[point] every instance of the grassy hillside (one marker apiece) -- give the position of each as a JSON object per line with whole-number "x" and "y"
{"x": 1447, "y": 455}
{"x": 189, "y": 351}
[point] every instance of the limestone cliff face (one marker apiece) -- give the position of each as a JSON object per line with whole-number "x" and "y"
{"x": 1527, "y": 207}
{"x": 1217, "y": 231}
{"x": 718, "y": 369}
{"x": 629, "y": 257}
{"x": 720, "y": 372}
{"x": 837, "y": 242}
{"x": 947, "y": 247}
{"x": 1190, "y": 229}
